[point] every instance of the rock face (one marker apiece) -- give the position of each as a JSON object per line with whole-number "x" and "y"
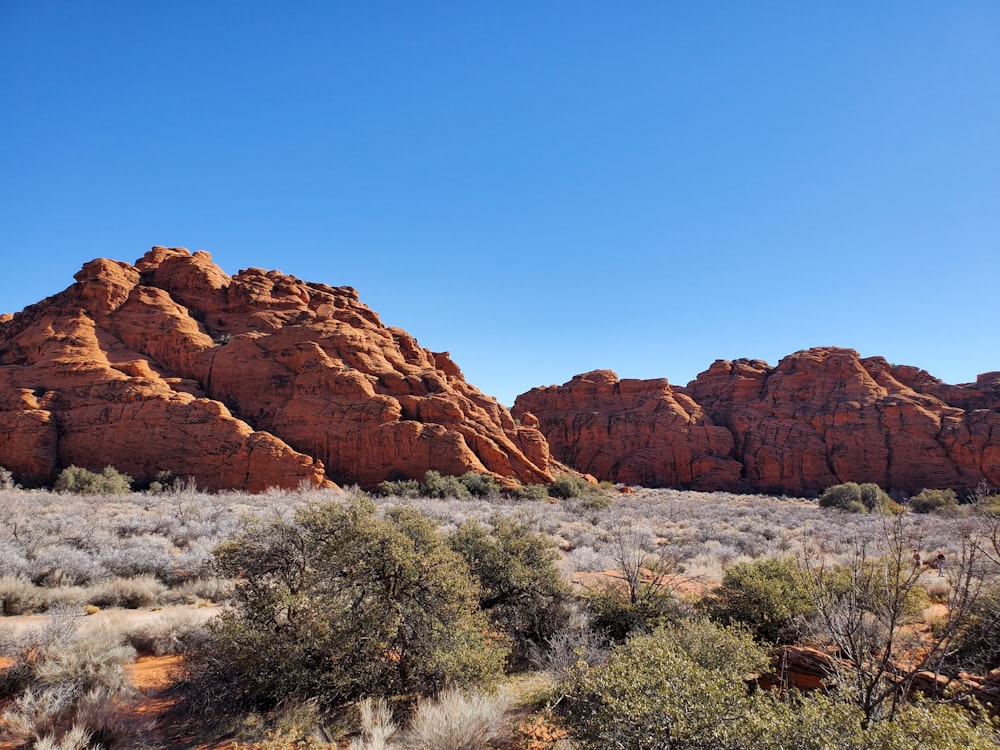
{"x": 820, "y": 417}
{"x": 248, "y": 382}
{"x": 632, "y": 431}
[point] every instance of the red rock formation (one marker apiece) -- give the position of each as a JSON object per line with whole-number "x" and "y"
{"x": 820, "y": 417}
{"x": 249, "y": 381}
{"x": 631, "y": 431}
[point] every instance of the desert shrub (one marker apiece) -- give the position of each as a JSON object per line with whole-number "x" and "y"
{"x": 128, "y": 593}
{"x": 521, "y": 589}
{"x": 820, "y": 721}
{"x": 846, "y": 496}
{"x": 109, "y": 481}
{"x": 858, "y": 498}
{"x": 59, "y": 679}
{"x": 674, "y": 688}
{"x": 769, "y": 596}
{"x": 618, "y": 615}
{"x": 457, "y": 720}
{"x": 170, "y": 634}
{"x": 480, "y": 485}
{"x": 528, "y": 492}
{"x": 377, "y": 726}
{"x": 436, "y": 484}
{"x": 934, "y": 501}
{"x": 407, "y": 488}
{"x": 978, "y": 646}
{"x": 19, "y": 596}
{"x": 166, "y": 481}
{"x": 568, "y": 486}
{"x": 344, "y": 604}
{"x": 7, "y": 479}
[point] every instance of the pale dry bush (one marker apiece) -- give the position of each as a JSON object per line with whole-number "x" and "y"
{"x": 60, "y": 678}
{"x": 377, "y": 726}
{"x": 458, "y": 720}
{"x": 174, "y": 633}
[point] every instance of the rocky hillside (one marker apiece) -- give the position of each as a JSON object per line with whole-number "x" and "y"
{"x": 820, "y": 417}
{"x": 246, "y": 381}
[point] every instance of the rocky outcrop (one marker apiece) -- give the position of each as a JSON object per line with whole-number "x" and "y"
{"x": 249, "y": 381}
{"x": 820, "y": 417}
{"x": 632, "y": 431}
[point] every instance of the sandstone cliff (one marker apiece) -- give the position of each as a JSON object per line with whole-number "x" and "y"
{"x": 249, "y": 381}
{"x": 820, "y": 417}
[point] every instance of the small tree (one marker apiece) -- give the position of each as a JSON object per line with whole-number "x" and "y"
{"x": 865, "y": 605}
{"x": 343, "y": 604}
{"x": 521, "y": 589}
{"x": 642, "y": 597}
{"x": 768, "y": 596}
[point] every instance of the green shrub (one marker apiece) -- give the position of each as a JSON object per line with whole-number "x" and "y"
{"x": 618, "y": 615}
{"x": 438, "y": 485}
{"x": 858, "y": 498}
{"x": 769, "y": 596}
{"x": 846, "y": 496}
{"x": 528, "y": 492}
{"x": 341, "y": 605}
{"x": 675, "y": 688}
{"x": 978, "y": 647}
{"x": 520, "y": 587}
{"x": 480, "y": 485}
{"x": 408, "y": 488}
{"x": 934, "y": 501}
{"x": 109, "y": 481}
{"x": 568, "y": 486}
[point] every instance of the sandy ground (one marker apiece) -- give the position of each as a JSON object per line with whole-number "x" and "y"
{"x": 117, "y": 618}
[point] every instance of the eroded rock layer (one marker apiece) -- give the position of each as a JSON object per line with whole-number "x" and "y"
{"x": 246, "y": 381}
{"x": 820, "y": 417}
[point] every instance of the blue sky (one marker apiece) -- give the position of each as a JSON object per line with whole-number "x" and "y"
{"x": 541, "y": 188}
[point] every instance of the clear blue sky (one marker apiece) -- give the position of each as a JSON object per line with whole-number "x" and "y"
{"x": 542, "y": 188}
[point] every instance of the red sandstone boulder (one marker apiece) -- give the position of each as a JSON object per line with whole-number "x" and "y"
{"x": 249, "y": 381}
{"x": 820, "y": 417}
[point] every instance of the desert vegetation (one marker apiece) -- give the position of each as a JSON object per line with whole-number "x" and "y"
{"x": 414, "y": 617}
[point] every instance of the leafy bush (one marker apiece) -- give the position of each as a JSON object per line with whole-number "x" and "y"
{"x": 934, "y": 501}
{"x": 520, "y": 587}
{"x": 769, "y": 596}
{"x": 858, "y": 498}
{"x": 109, "y": 481}
{"x": 408, "y": 488}
{"x": 341, "y": 605}
{"x": 978, "y": 647}
{"x": 436, "y": 484}
{"x": 568, "y": 486}
{"x": 480, "y": 485}
{"x": 618, "y": 615}
{"x": 528, "y": 492}
{"x": 675, "y": 688}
